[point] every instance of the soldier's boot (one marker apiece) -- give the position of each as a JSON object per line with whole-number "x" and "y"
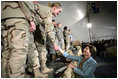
{"x": 38, "y": 74}
{"x": 44, "y": 69}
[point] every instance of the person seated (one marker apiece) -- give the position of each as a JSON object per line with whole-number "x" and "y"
{"x": 86, "y": 64}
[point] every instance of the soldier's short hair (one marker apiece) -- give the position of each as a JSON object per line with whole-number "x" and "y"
{"x": 53, "y": 20}
{"x": 65, "y": 28}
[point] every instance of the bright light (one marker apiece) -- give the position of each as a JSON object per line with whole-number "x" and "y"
{"x": 89, "y": 25}
{"x": 80, "y": 14}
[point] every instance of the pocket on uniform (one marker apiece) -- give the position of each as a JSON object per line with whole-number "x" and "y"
{"x": 18, "y": 38}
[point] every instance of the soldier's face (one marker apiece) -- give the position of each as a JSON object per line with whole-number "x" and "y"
{"x": 56, "y": 11}
{"x": 59, "y": 25}
{"x": 53, "y": 23}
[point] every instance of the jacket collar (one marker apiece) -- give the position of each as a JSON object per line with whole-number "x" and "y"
{"x": 88, "y": 60}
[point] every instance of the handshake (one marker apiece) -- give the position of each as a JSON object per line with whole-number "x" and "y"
{"x": 57, "y": 47}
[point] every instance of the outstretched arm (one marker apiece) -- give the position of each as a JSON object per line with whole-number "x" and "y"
{"x": 66, "y": 55}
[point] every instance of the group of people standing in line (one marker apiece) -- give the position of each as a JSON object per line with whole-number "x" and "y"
{"x": 27, "y": 32}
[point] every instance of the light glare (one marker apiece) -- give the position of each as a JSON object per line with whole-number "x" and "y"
{"x": 89, "y": 25}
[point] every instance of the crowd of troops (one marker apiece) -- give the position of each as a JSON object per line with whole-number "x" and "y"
{"x": 28, "y": 34}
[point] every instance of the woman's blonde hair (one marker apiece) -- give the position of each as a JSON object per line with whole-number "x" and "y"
{"x": 55, "y": 4}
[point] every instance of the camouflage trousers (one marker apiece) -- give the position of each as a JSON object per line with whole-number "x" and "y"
{"x": 16, "y": 38}
{"x": 62, "y": 44}
{"x": 33, "y": 56}
{"x": 68, "y": 73}
{"x": 50, "y": 47}
{"x": 67, "y": 44}
{"x": 42, "y": 53}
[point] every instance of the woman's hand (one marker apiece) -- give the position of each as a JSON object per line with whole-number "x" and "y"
{"x": 71, "y": 66}
{"x": 57, "y": 47}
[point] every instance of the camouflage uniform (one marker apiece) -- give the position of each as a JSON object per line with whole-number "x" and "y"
{"x": 17, "y": 39}
{"x": 45, "y": 29}
{"x": 60, "y": 37}
{"x": 68, "y": 73}
{"x": 66, "y": 34}
{"x": 51, "y": 49}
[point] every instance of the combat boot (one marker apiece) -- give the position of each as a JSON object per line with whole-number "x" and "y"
{"x": 44, "y": 69}
{"x": 38, "y": 74}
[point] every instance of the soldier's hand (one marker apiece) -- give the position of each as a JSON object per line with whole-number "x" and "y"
{"x": 32, "y": 26}
{"x": 56, "y": 47}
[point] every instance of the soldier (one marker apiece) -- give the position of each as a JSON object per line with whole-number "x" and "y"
{"x": 17, "y": 27}
{"x": 60, "y": 35}
{"x": 50, "y": 48}
{"x": 45, "y": 13}
{"x": 66, "y": 34}
{"x": 71, "y": 38}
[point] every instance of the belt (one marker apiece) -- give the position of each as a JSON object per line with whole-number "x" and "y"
{"x": 13, "y": 18}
